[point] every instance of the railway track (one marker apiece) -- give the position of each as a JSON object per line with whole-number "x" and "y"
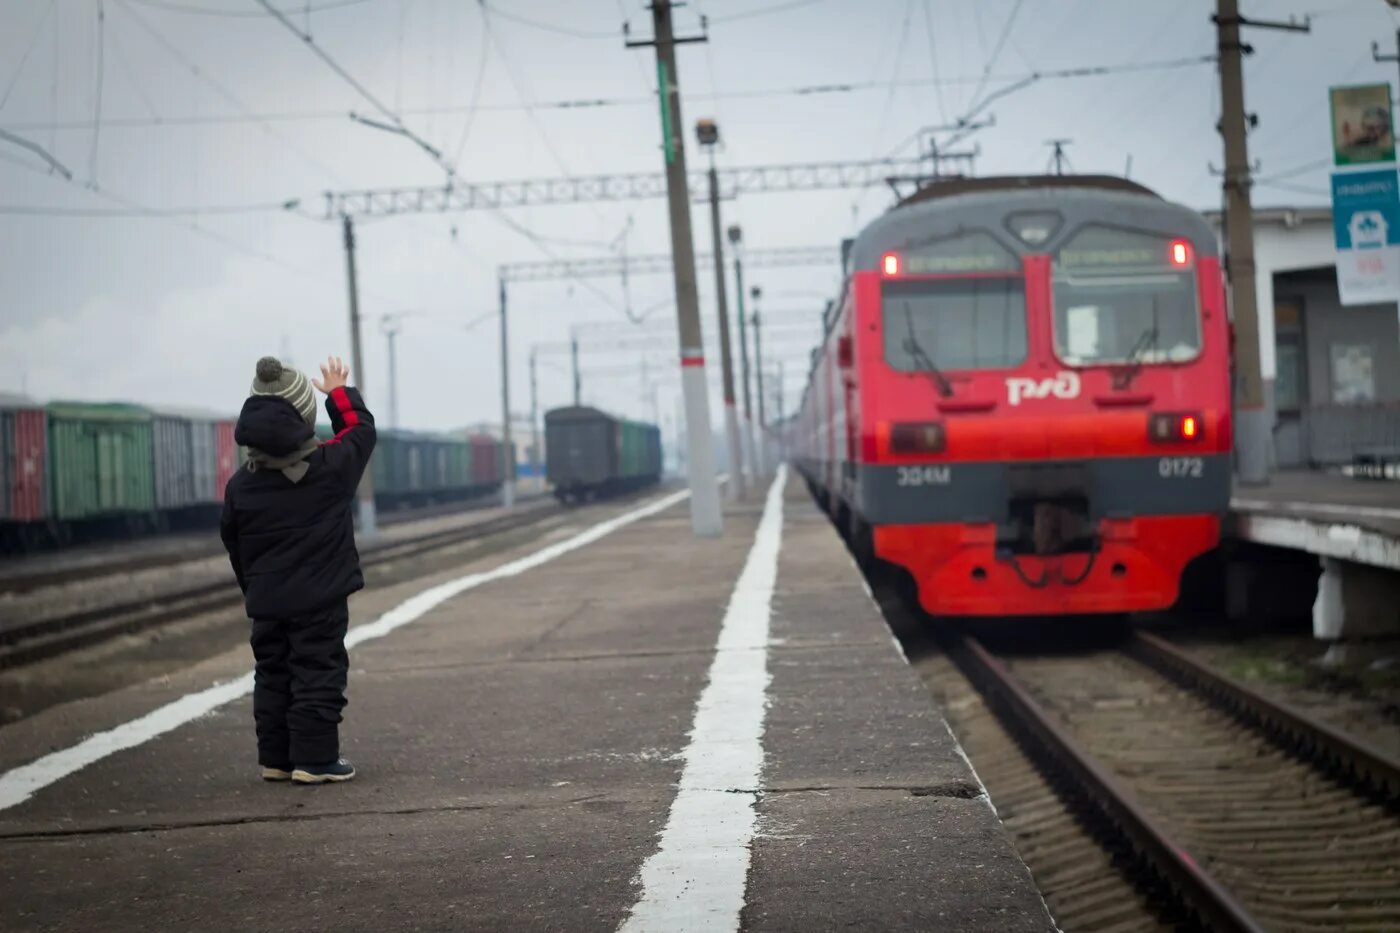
{"x": 19, "y": 580}
{"x": 26, "y": 642}
{"x": 1247, "y": 814}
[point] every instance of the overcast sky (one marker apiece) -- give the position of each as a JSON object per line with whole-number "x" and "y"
{"x": 214, "y": 104}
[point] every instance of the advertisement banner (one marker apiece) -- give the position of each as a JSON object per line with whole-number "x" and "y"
{"x": 1366, "y": 226}
{"x": 1362, "y": 130}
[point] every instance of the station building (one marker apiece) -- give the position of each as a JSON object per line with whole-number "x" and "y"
{"x": 1331, "y": 371}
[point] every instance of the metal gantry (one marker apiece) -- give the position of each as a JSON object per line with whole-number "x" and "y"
{"x": 660, "y": 263}
{"x": 632, "y": 186}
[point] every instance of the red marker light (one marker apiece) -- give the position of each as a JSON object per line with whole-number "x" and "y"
{"x": 890, "y": 264}
{"x": 1175, "y": 427}
{"x": 1180, "y": 252}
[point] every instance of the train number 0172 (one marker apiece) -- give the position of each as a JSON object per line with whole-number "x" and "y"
{"x": 1181, "y": 467}
{"x": 923, "y": 476}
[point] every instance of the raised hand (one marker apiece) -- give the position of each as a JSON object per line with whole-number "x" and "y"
{"x": 334, "y": 375}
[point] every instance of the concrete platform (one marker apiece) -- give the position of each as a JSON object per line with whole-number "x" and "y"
{"x": 1350, "y": 525}
{"x": 1324, "y": 498}
{"x": 520, "y": 748}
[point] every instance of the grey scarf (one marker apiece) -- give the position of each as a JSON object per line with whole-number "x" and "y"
{"x": 292, "y": 465}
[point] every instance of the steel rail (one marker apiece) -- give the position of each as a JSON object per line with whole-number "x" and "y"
{"x": 44, "y": 638}
{"x": 1284, "y": 724}
{"x": 1198, "y": 890}
{"x": 24, "y": 582}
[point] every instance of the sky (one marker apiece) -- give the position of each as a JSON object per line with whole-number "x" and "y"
{"x": 202, "y": 135}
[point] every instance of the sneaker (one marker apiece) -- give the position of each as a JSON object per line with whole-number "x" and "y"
{"x": 276, "y": 774}
{"x": 336, "y": 771}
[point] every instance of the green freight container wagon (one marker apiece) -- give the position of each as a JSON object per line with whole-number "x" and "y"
{"x": 101, "y": 461}
{"x": 589, "y": 453}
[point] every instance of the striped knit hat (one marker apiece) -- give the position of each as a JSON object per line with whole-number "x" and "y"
{"x": 275, "y": 379}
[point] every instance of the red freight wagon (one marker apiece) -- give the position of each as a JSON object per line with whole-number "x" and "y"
{"x": 23, "y": 464}
{"x": 1023, "y": 396}
{"x": 486, "y": 460}
{"x": 226, "y": 457}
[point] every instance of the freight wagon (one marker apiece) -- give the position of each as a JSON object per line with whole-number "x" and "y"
{"x": 415, "y": 468}
{"x": 76, "y": 470}
{"x": 589, "y": 453}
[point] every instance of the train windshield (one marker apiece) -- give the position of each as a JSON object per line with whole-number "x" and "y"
{"x": 955, "y": 323}
{"x": 1121, "y": 297}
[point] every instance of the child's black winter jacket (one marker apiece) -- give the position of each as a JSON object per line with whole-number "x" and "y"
{"x": 292, "y": 545}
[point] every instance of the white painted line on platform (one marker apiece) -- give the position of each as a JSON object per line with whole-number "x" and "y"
{"x": 19, "y": 784}
{"x": 698, "y": 878}
{"x": 1315, "y": 508}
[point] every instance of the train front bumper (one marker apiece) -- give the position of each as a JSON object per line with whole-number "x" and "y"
{"x": 1136, "y": 567}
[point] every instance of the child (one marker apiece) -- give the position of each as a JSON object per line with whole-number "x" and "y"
{"x": 290, "y": 538}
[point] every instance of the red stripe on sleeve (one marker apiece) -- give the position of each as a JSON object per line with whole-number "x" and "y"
{"x": 342, "y": 402}
{"x": 347, "y": 411}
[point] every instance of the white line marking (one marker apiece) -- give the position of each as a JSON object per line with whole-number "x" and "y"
{"x": 21, "y": 783}
{"x": 1321, "y": 508}
{"x": 697, "y": 878}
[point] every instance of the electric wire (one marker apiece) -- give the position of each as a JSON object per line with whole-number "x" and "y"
{"x": 996, "y": 53}
{"x": 546, "y": 27}
{"x": 764, "y": 11}
{"x": 472, "y": 108}
{"x": 933, "y": 59}
{"x": 360, "y": 89}
{"x": 101, "y": 74}
{"x": 240, "y": 14}
{"x": 1295, "y": 170}
{"x": 124, "y": 63}
{"x": 523, "y": 230}
{"x": 607, "y": 102}
{"x": 232, "y": 99}
{"x": 137, "y": 208}
{"x": 28, "y": 51}
{"x": 49, "y": 210}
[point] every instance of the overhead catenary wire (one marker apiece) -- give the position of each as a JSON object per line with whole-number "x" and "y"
{"x": 101, "y": 75}
{"x": 53, "y": 210}
{"x": 28, "y": 51}
{"x": 123, "y": 62}
{"x": 814, "y": 90}
{"x": 175, "y": 7}
{"x": 483, "y": 57}
{"x": 933, "y": 59}
{"x": 383, "y": 108}
{"x": 767, "y": 10}
{"x": 996, "y": 53}
{"x": 137, "y": 209}
{"x": 175, "y": 52}
{"x": 503, "y": 13}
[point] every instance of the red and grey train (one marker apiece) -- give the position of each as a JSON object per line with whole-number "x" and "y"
{"x": 1023, "y": 396}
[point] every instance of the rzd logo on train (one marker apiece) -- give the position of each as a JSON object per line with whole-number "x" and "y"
{"x": 1061, "y": 385}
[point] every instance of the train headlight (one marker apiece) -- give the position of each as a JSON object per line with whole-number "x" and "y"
{"x": 1179, "y": 253}
{"x": 1175, "y": 427}
{"x": 889, "y": 264}
{"x": 923, "y": 438}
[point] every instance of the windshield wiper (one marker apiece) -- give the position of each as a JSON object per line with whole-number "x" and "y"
{"x": 1125, "y": 376}
{"x": 921, "y": 358}
{"x": 1146, "y": 340}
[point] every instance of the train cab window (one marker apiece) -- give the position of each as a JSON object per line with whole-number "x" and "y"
{"x": 1125, "y": 296}
{"x": 954, "y": 323}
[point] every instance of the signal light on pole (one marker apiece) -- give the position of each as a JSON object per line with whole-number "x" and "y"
{"x": 890, "y": 264}
{"x": 1180, "y": 252}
